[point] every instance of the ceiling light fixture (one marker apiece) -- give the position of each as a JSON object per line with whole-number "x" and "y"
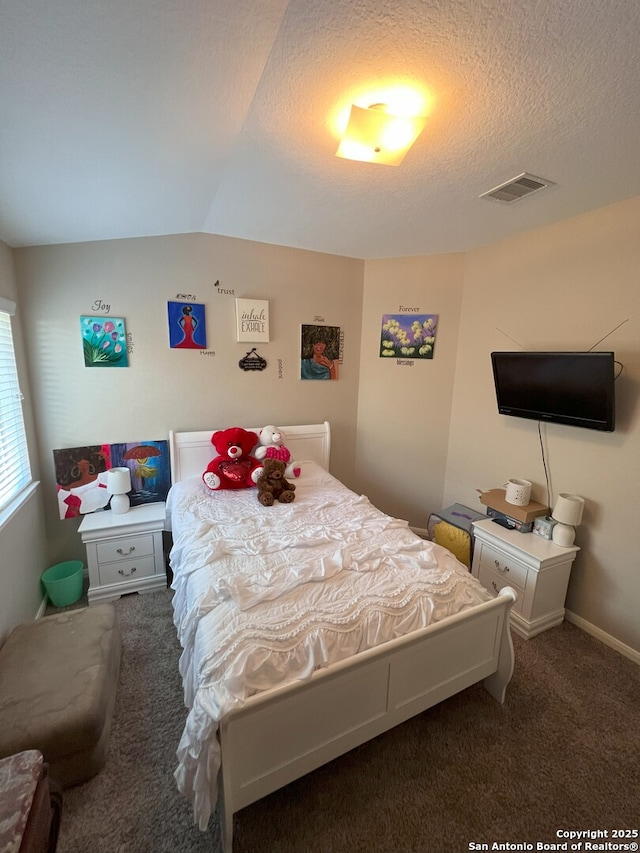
{"x": 376, "y": 135}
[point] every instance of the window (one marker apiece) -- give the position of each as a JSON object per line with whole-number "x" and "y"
{"x": 15, "y": 471}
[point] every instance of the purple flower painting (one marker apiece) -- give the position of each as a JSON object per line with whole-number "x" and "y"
{"x": 104, "y": 342}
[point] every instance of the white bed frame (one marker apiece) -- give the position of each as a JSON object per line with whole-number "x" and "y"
{"x": 284, "y": 733}
{"x": 191, "y": 452}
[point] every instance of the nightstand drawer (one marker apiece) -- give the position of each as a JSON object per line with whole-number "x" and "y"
{"x": 124, "y": 551}
{"x": 129, "y": 548}
{"x": 536, "y": 568}
{"x": 126, "y": 570}
{"x": 493, "y": 582}
{"x": 513, "y": 572}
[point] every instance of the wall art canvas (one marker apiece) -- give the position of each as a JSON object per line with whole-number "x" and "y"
{"x": 187, "y": 325}
{"x": 252, "y": 320}
{"x": 148, "y": 462}
{"x": 104, "y": 341}
{"x": 77, "y": 469}
{"x": 408, "y": 335}
{"x": 320, "y": 352}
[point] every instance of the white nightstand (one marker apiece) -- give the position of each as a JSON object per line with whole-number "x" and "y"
{"x": 124, "y": 551}
{"x": 536, "y": 568}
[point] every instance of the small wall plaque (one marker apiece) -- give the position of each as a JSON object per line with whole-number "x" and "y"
{"x": 252, "y": 361}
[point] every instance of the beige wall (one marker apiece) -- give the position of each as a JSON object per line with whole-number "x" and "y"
{"x": 23, "y": 546}
{"x": 428, "y": 435}
{"x": 562, "y": 287}
{"x": 404, "y": 411}
{"x": 165, "y": 389}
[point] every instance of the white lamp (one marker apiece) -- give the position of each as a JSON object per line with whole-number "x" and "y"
{"x": 567, "y": 512}
{"x": 118, "y": 484}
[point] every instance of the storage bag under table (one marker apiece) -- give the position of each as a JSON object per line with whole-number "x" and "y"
{"x": 452, "y": 528}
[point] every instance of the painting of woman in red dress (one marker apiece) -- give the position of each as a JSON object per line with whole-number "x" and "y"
{"x": 187, "y": 328}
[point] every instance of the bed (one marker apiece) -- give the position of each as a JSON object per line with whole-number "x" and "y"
{"x": 311, "y": 627}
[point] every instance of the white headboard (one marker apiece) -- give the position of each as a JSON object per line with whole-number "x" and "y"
{"x": 191, "y": 452}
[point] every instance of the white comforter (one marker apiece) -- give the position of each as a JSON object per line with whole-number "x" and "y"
{"x": 265, "y": 595}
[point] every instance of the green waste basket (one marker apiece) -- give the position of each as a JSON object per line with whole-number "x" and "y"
{"x": 63, "y": 582}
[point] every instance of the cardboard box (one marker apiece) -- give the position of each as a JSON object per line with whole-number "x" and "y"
{"x": 495, "y": 498}
{"x": 509, "y": 521}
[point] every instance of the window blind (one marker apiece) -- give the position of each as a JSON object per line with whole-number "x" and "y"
{"x": 15, "y": 470}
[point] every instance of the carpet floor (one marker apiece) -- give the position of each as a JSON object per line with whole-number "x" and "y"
{"x": 562, "y": 753}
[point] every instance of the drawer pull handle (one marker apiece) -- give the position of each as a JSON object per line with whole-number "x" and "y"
{"x": 503, "y": 569}
{"x": 126, "y": 574}
{"x": 124, "y": 553}
{"x": 495, "y": 586}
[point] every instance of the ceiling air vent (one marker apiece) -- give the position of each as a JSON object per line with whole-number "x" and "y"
{"x": 517, "y": 188}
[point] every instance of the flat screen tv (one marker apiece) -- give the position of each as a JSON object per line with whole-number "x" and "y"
{"x": 574, "y": 388}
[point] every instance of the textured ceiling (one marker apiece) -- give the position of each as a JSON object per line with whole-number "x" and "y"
{"x": 127, "y": 119}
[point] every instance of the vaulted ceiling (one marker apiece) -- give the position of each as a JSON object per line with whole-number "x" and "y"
{"x": 127, "y": 118}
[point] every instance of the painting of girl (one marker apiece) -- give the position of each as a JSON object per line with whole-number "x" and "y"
{"x": 320, "y": 352}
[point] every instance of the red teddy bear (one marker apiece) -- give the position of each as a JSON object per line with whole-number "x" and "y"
{"x": 233, "y": 467}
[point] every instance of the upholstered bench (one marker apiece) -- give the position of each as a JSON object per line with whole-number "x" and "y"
{"x": 58, "y": 683}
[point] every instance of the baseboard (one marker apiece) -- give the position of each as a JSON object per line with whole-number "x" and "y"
{"x": 601, "y": 635}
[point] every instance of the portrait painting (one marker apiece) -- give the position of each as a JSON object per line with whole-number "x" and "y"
{"x": 78, "y": 487}
{"x": 320, "y": 352}
{"x": 187, "y": 326}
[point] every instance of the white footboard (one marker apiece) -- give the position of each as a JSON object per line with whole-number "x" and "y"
{"x": 282, "y": 734}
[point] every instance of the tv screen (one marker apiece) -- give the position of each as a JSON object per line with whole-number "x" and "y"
{"x": 574, "y": 388}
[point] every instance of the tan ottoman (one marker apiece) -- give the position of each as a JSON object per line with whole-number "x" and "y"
{"x": 58, "y": 682}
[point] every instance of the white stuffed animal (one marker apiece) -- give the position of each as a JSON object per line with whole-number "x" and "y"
{"x": 271, "y": 446}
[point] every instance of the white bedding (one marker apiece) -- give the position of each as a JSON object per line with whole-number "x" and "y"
{"x": 265, "y": 595}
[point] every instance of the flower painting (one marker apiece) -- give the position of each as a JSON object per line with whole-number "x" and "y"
{"x": 104, "y": 342}
{"x": 408, "y": 335}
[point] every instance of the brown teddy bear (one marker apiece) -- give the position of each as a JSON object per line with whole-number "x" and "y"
{"x": 272, "y": 485}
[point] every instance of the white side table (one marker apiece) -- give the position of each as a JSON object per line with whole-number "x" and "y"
{"x": 536, "y": 568}
{"x": 124, "y": 551}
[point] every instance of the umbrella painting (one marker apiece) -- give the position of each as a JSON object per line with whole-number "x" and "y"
{"x": 148, "y": 462}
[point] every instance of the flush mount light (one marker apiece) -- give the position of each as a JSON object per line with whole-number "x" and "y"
{"x": 376, "y": 135}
